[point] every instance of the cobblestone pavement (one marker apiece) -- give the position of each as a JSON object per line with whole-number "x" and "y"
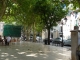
{"x": 34, "y": 51}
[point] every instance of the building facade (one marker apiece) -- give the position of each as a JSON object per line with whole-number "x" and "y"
{"x": 1, "y": 28}
{"x": 73, "y": 19}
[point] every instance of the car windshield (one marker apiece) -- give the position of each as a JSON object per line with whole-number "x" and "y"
{"x": 58, "y": 39}
{"x": 68, "y": 39}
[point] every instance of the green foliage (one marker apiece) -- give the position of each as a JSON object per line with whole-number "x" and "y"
{"x": 39, "y": 25}
{"x": 8, "y": 20}
{"x": 50, "y": 12}
{"x": 76, "y": 3}
{"x": 2, "y": 8}
{"x": 23, "y": 12}
{"x": 26, "y": 16}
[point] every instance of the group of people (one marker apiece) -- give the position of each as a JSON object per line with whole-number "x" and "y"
{"x": 6, "y": 40}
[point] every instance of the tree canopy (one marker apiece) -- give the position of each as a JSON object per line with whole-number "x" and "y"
{"x": 50, "y": 13}
{"x": 42, "y": 13}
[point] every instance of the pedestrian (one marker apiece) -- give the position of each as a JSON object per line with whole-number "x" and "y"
{"x": 1, "y": 40}
{"x": 8, "y": 40}
{"x": 5, "y": 40}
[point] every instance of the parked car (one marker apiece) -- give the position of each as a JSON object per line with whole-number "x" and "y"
{"x": 46, "y": 39}
{"x": 31, "y": 38}
{"x": 67, "y": 42}
{"x": 38, "y": 38}
{"x": 57, "y": 40}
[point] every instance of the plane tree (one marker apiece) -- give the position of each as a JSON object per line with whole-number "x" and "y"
{"x": 20, "y": 12}
{"x": 2, "y": 8}
{"x": 50, "y": 12}
{"x": 26, "y": 17}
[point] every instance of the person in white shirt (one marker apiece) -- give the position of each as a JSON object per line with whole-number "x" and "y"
{"x": 8, "y": 39}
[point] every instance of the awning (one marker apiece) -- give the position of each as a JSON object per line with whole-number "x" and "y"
{"x": 11, "y": 30}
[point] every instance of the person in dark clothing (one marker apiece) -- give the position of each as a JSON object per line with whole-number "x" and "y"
{"x": 78, "y": 52}
{"x": 5, "y": 40}
{"x": 1, "y": 40}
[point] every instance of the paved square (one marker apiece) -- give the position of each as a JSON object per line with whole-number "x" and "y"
{"x": 33, "y": 51}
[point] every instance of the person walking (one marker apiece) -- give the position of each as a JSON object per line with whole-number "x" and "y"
{"x": 1, "y": 40}
{"x": 8, "y": 40}
{"x": 5, "y": 40}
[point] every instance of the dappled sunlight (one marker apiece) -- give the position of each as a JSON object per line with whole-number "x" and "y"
{"x": 7, "y": 59}
{"x": 42, "y": 54}
{"x": 21, "y": 52}
{"x": 11, "y": 55}
{"x": 44, "y": 57}
{"x": 32, "y": 51}
{"x": 15, "y": 57}
{"x": 32, "y": 55}
{"x": 54, "y": 51}
{"x": 17, "y": 49}
{"x": 0, "y": 49}
{"x": 63, "y": 54}
{"x": 47, "y": 51}
{"x": 4, "y": 54}
{"x": 59, "y": 59}
{"x": 64, "y": 50}
{"x": 40, "y": 51}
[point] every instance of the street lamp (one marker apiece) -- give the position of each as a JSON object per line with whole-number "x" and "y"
{"x": 76, "y": 17}
{"x": 62, "y": 30}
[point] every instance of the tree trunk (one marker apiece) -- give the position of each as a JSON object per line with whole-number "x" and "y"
{"x": 48, "y": 36}
{"x": 34, "y": 33}
{"x": 3, "y": 8}
{"x": 28, "y": 34}
{"x": 24, "y": 32}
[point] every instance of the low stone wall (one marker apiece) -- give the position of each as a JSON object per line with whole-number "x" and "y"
{"x": 15, "y": 40}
